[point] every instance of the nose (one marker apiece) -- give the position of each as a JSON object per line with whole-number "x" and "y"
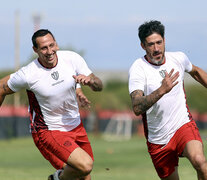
{"x": 49, "y": 50}
{"x": 156, "y": 47}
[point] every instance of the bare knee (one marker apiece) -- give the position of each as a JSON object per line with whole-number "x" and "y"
{"x": 199, "y": 162}
{"x": 81, "y": 163}
{"x": 86, "y": 166}
{"x": 81, "y": 169}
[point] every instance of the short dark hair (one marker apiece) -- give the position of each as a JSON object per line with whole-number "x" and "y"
{"x": 40, "y": 33}
{"x": 149, "y": 28}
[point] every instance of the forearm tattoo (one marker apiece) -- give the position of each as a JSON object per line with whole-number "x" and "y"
{"x": 97, "y": 84}
{"x": 142, "y": 103}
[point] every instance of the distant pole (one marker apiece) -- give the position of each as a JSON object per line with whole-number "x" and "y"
{"x": 17, "y": 52}
{"x": 36, "y": 20}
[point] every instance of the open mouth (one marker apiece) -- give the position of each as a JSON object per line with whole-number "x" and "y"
{"x": 157, "y": 53}
{"x": 50, "y": 57}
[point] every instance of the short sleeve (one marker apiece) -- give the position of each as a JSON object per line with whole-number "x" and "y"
{"x": 81, "y": 66}
{"x": 136, "y": 78}
{"x": 17, "y": 80}
{"x": 187, "y": 65}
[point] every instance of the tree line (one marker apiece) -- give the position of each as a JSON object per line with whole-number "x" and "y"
{"x": 115, "y": 96}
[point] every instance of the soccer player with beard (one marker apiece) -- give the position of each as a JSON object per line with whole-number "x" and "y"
{"x": 50, "y": 82}
{"x": 157, "y": 93}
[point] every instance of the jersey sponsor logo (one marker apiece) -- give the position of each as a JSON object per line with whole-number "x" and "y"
{"x": 55, "y": 75}
{"x": 162, "y": 73}
{"x": 67, "y": 143}
{"x": 57, "y": 82}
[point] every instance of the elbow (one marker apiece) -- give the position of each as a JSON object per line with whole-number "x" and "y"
{"x": 137, "y": 111}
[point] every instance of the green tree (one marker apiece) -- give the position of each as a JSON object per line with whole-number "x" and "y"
{"x": 196, "y": 97}
{"x": 115, "y": 96}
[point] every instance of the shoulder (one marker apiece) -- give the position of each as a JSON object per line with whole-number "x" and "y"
{"x": 176, "y": 55}
{"x": 20, "y": 78}
{"x": 180, "y": 59}
{"x": 28, "y": 72}
{"x": 70, "y": 57}
{"x": 138, "y": 65}
{"x": 67, "y": 54}
{"x": 30, "y": 68}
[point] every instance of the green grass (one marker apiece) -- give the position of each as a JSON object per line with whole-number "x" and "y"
{"x": 115, "y": 160}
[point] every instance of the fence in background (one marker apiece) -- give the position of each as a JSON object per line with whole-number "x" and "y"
{"x": 14, "y": 122}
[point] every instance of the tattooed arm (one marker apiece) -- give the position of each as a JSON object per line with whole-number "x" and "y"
{"x": 4, "y": 89}
{"x": 95, "y": 83}
{"x": 92, "y": 81}
{"x": 142, "y": 103}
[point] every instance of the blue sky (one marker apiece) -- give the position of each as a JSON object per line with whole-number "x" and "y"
{"x": 105, "y": 30}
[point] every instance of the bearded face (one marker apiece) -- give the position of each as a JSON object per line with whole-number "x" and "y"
{"x": 154, "y": 46}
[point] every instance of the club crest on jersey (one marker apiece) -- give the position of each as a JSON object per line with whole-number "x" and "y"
{"x": 55, "y": 75}
{"x": 162, "y": 73}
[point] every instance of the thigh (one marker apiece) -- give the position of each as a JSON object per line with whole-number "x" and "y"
{"x": 54, "y": 161}
{"x": 87, "y": 148}
{"x": 173, "y": 176}
{"x": 60, "y": 144}
{"x": 83, "y": 141}
{"x": 78, "y": 158}
{"x": 194, "y": 148}
{"x": 164, "y": 158}
{"x": 189, "y": 140}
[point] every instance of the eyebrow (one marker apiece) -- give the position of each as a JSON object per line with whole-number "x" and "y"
{"x": 151, "y": 43}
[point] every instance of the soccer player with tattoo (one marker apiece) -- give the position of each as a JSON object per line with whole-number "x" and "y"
{"x": 157, "y": 93}
{"x": 50, "y": 82}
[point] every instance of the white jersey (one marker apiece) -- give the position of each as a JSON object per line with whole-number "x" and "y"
{"x": 170, "y": 112}
{"x": 52, "y": 92}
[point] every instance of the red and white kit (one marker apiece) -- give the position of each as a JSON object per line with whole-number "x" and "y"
{"x": 170, "y": 112}
{"x": 51, "y": 92}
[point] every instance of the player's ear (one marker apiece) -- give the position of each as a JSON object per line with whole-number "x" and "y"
{"x": 57, "y": 47}
{"x": 35, "y": 49}
{"x": 143, "y": 46}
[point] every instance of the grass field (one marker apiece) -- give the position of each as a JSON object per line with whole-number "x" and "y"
{"x": 116, "y": 160}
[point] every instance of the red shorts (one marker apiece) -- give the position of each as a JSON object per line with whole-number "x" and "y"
{"x": 56, "y": 146}
{"x": 166, "y": 157}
